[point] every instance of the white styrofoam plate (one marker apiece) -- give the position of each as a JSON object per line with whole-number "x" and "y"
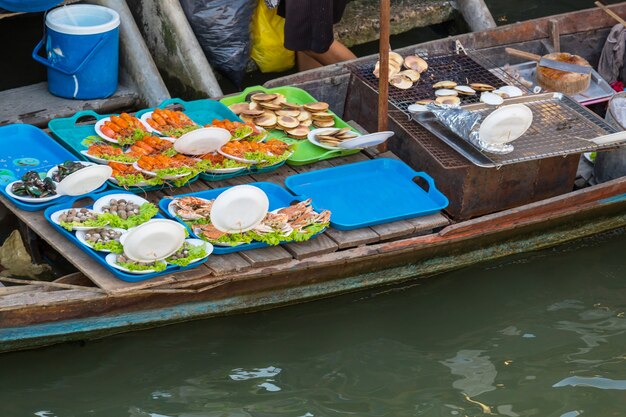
{"x": 202, "y": 141}
{"x": 98, "y": 128}
{"x": 80, "y": 235}
{"x": 154, "y": 174}
{"x": 311, "y": 137}
{"x": 239, "y": 209}
{"x": 111, "y": 259}
{"x": 55, "y": 219}
{"x": 85, "y": 180}
{"x": 104, "y": 201}
{"x": 100, "y": 160}
{"x": 29, "y": 199}
{"x": 144, "y": 117}
{"x": 366, "y": 141}
{"x": 154, "y": 240}
{"x": 505, "y": 124}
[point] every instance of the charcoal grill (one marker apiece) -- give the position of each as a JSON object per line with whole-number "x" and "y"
{"x": 462, "y": 68}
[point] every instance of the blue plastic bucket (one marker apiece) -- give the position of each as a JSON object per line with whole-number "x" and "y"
{"x": 82, "y": 49}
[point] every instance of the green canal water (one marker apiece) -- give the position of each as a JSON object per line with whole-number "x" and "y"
{"x": 539, "y": 335}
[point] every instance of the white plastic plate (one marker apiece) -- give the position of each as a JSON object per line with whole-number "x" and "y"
{"x": 199, "y": 242}
{"x": 239, "y": 209}
{"x": 311, "y": 137}
{"x": 55, "y": 219}
{"x": 111, "y": 259}
{"x": 104, "y": 201}
{"x": 505, "y": 124}
{"x": 242, "y": 160}
{"x": 100, "y": 160}
{"x": 225, "y": 170}
{"x": 85, "y": 180}
{"x": 29, "y": 199}
{"x": 54, "y": 169}
{"x": 80, "y": 235}
{"x": 144, "y": 117}
{"x": 366, "y": 141}
{"x": 202, "y": 141}
{"x": 98, "y": 128}
{"x": 154, "y": 174}
{"x": 154, "y": 240}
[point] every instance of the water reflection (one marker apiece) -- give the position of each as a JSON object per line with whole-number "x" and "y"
{"x": 539, "y": 336}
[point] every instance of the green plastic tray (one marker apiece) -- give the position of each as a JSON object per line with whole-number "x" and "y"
{"x": 306, "y": 152}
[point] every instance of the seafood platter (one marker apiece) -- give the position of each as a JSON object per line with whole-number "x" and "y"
{"x": 126, "y": 235}
{"x": 38, "y": 173}
{"x": 162, "y": 146}
{"x": 246, "y": 217}
{"x": 290, "y": 115}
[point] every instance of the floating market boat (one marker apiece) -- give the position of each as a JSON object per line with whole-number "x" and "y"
{"x": 499, "y": 205}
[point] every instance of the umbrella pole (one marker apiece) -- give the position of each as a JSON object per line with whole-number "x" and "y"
{"x": 383, "y": 81}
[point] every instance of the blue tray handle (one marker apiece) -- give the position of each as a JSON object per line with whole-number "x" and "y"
{"x": 84, "y": 113}
{"x": 432, "y": 188}
{"x": 171, "y": 101}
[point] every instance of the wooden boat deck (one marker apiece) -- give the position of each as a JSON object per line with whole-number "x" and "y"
{"x": 291, "y": 256}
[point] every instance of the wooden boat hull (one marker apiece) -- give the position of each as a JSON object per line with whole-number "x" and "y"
{"x": 26, "y": 321}
{"x": 533, "y": 227}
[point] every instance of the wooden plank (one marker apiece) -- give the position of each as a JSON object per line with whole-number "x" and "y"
{"x": 227, "y": 264}
{"x": 31, "y": 298}
{"x": 300, "y": 169}
{"x": 274, "y": 255}
{"x": 352, "y": 238}
{"x": 276, "y": 177}
{"x": 394, "y": 230}
{"x": 350, "y": 159}
{"x": 426, "y": 224}
{"x": 33, "y": 104}
{"x": 319, "y": 245}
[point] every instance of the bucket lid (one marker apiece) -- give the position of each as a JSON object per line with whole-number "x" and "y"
{"x": 21, "y": 6}
{"x": 82, "y": 19}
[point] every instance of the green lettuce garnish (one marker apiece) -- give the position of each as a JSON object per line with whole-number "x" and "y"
{"x": 170, "y": 152}
{"x": 99, "y": 221}
{"x": 233, "y": 239}
{"x": 178, "y": 132}
{"x": 135, "y": 266}
{"x": 118, "y": 158}
{"x": 146, "y": 212}
{"x": 136, "y": 136}
{"x": 307, "y": 232}
{"x": 112, "y": 245}
{"x": 195, "y": 253}
{"x": 133, "y": 179}
{"x": 226, "y": 163}
{"x": 242, "y": 132}
{"x": 273, "y": 238}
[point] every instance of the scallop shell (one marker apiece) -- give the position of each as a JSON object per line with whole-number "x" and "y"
{"x": 417, "y": 108}
{"x": 259, "y": 97}
{"x": 412, "y": 75}
{"x": 396, "y": 58}
{"x": 266, "y": 121}
{"x": 402, "y": 82}
{"x": 465, "y": 90}
{"x": 315, "y": 107}
{"x": 288, "y": 122}
{"x": 444, "y": 84}
{"x": 482, "y": 87}
{"x": 491, "y": 98}
{"x": 448, "y": 100}
{"x": 444, "y": 92}
{"x": 424, "y": 102}
{"x": 415, "y": 63}
{"x": 237, "y": 108}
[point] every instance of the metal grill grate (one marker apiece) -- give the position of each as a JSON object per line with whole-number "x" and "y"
{"x": 461, "y": 68}
{"x": 560, "y": 127}
{"x": 447, "y": 157}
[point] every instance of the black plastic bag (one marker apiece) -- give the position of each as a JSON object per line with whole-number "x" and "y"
{"x": 223, "y": 31}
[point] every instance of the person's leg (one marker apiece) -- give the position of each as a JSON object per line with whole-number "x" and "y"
{"x": 336, "y": 53}
{"x": 305, "y": 62}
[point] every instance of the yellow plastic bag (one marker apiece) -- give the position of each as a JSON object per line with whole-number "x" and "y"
{"x": 268, "y": 37}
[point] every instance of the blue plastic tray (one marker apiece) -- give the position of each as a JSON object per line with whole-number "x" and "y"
{"x": 368, "y": 193}
{"x": 28, "y": 148}
{"x": 99, "y": 256}
{"x": 278, "y": 196}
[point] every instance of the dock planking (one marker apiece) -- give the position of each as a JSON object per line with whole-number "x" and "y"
{"x": 321, "y": 245}
{"x": 273, "y": 255}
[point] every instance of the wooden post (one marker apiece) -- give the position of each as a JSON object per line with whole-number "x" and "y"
{"x": 476, "y": 14}
{"x": 383, "y": 81}
{"x": 555, "y": 34}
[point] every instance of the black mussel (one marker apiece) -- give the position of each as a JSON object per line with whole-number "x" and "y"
{"x": 65, "y": 169}
{"x": 32, "y": 185}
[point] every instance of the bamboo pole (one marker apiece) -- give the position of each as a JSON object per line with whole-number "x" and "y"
{"x": 383, "y": 81}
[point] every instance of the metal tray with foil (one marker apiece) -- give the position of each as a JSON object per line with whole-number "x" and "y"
{"x": 599, "y": 90}
{"x": 561, "y": 126}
